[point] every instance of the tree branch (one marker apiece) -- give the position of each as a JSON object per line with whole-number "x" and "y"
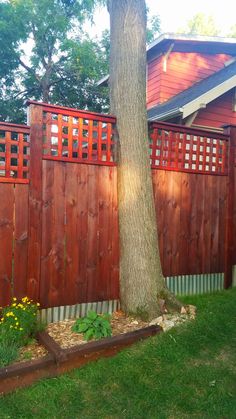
{"x": 29, "y": 69}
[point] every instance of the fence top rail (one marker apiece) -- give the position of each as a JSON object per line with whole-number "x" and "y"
{"x": 8, "y": 126}
{"x": 47, "y": 107}
{"x": 188, "y": 130}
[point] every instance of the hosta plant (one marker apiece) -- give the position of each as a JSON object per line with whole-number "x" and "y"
{"x": 93, "y": 326}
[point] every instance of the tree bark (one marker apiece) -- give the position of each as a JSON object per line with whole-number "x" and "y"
{"x": 142, "y": 286}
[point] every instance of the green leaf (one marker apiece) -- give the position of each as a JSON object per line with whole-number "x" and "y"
{"x": 88, "y": 335}
{"x": 82, "y": 327}
{"x": 92, "y": 315}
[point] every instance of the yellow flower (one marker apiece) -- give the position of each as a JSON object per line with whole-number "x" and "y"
{"x": 15, "y": 318}
{"x": 20, "y": 305}
{"x": 9, "y": 314}
{"x": 25, "y": 299}
{"x": 38, "y": 305}
{"x": 13, "y": 305}
{"x": 14, "y": 299}
{"x": 21, "y": 328}
{"x": 17, "y": 323}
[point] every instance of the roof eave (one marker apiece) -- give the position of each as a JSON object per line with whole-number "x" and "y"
{"x": 166, "y": 115}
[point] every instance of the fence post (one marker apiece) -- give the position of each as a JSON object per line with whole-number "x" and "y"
{"x": 35, "y": 201}
{"x": 230, "y": 204}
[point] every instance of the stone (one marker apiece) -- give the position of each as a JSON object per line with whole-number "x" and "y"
{"x": 183, "y": 310}
{"x": 158, "y": 320}
{"x": 167, "y": 325}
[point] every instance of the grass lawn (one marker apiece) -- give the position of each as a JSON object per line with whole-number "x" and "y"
{"x": 189, "y": 372}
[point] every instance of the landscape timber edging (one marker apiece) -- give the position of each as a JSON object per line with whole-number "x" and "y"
{"x": 59, "y": 360}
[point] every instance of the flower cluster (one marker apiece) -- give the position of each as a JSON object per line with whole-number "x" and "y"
{"x": 20, "y": 318}
{"x": 18, "y": 325}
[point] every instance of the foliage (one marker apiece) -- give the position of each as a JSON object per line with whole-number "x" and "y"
{"x": 18, "y": 323}
{"x": 9, "y": 351}
{"x": 46, "y": 55}
{"x": 93, "y": 326}
{"x": 188, "y": 372}
{"x": 201, "y": 24}
{"x": 153, "y": 28}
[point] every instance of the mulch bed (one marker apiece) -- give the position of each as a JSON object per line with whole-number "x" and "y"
{"x": 61, "y": 332}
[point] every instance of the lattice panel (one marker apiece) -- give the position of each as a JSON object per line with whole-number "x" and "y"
{"x": 188, "y": 151}
{"x": 14, "y": 154}
{"x": 75, "y": 138}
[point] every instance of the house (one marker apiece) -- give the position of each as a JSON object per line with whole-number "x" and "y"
{"x": 191, "y": 80}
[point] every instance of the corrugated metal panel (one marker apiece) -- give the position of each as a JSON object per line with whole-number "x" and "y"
{"x": 181, "y": 285}
{"x": 195, "y": 284}
{"x": 55, "y": 314}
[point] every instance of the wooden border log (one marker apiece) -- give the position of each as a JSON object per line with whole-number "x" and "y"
{"x": 59, "y": 360}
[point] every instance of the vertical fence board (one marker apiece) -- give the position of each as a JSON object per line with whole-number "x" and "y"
{"x": 114, "y": 232}
{"x": 208, "y": 206}
{"x": 47, "y": 238}
{"x": 6, "y": 241}
{"x": 185, "y": 264}
{"x": 71, "y": 231}
{"x": 158, "y": 178}
{"x": 195, "y": 221}
{"x": 35, "y": 202}
{"x": 92, "y": 272}
{"x": 104, "y": 223}
{"x": 82, "y": 212}
{"x": 21, "y": 240}
{"x": 214, "y": 262}
{"x": 57, "y": 258}
{"x": 229, "y": 238}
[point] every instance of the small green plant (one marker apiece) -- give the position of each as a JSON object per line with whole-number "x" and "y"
{"x": 18, "y": 325}
{"x": 93, "y": 326}
{"x": 9, "y": 351}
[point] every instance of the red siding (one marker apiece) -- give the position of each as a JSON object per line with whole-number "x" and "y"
{"x": 154, "y": 81}
{"x": 182, "y": 71}
{"x": 217, "y": 113}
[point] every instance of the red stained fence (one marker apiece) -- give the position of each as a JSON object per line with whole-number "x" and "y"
{"x": 59, "y": 218}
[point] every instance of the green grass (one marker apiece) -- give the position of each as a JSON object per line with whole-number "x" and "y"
{"x": 189, "y": 372}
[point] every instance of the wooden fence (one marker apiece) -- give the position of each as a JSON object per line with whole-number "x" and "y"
{"x": 59, "y": 241}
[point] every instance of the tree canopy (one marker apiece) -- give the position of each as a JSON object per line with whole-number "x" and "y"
{"x": 47, "y": 56}
{"x": 201, "y": 24}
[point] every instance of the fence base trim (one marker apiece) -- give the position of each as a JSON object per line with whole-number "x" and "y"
{"x": 56, "y": 314}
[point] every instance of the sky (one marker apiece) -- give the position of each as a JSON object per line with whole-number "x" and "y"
{"x": 175, "y": 14}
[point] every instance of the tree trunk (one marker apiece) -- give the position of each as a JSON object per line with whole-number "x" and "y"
{"x": 45, "y": 90}
{"x": 142, "y": 286}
